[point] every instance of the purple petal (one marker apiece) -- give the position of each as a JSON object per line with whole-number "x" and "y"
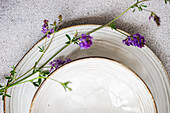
{"x": 48, "y": 35}
{"x": 51, "y": 30}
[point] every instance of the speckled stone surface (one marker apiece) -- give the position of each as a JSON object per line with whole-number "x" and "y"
{"x": 21, "y": 21}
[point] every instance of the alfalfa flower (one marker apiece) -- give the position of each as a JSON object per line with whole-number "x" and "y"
{"x": 155, "y": 17}
{"x": 57, "y": 63}
{"x": 136, "y": 40}
{"x": 85, "y": 41}
{"x": 46, "y": 30}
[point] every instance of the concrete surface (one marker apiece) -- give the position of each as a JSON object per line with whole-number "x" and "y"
{"x": 21, "y": 21}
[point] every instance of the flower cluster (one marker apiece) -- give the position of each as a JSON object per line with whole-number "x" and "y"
{"x": 46, "y": 30}
{"x": 57, "y": 63}
{"x": 136, "y": 40}
{"x": 85, "y": 41}
{"x": 155, "y": 17}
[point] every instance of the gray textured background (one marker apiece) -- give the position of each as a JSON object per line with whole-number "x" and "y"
{"x": 21, "y": 21}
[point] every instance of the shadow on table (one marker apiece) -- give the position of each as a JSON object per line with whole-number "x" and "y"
{"x": 101, "y": 20}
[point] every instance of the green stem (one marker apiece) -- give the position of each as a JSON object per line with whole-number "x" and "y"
{"x": 36, "y": 62}
{"x": 115, "y": 18}
{"x": 46, "y": 48}
{"x": 17, "y": 82}
{"x": 54, "y": 55}
{"x": 109, "y": 22}
{"x": 38, "y": 59}
{"x": 38, "y": 78}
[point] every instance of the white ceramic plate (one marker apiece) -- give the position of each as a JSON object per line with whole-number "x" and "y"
{"x": 98, "y": 85}
{"x": 107, "y": 43}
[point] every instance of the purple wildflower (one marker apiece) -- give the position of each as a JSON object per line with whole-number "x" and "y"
{"x": 48, "y": 35}
{"x": 57, "y": 63}
{"x": 46, "y": 30}
{"x": 51, "y": 30}
{"x": 45, "y": 27}
{"x": 151, "y": 16}
{"x": 136, "y": 40}
{"x": 68, "y": 60}
{"x": 156, "y": 18}
{"x": 85, "y": 41}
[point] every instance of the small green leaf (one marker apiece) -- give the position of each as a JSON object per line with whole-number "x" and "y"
{"x": 10, "y": 80}
{"x": 3, "y": 97}
{"x": 2, "y": 90}
{"x": 66, "y": 83}
{"x": 132, "y": 6}
{"x": 8, "y": 77}
{"x": 112, "y": 25}
{"x": 69, "y": 38}
{"x": 13, "y": 67}
{"x": 140, "y": 8}
{"x": 31, "y": 81}
{"x": 75, "y": 40}
{"x": 7, "y": 95}
{"x": 41, "y": 49}
{"x": 76, "y": 43}
{"x": 67, "y": 42}
{"x": 1, "y": 86}
{"x": 65, "y": 86}
{"x": 38, "y": 70}
{"x": 46, "y": 72}
{"x": 39, "y": 81}
{"x": 35, "y": 84}
{"x": 55, "y": 28}
{"x": 143, "y": 5}
{"x": 34, "y": 70}
{"x": 51, "y": 24}
{"x": 12, "y": 72}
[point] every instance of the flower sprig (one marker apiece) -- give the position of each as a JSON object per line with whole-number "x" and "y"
{"x": 84, "y": 41}
{"x": 155, "y": 17}
{"x": 166, "y": 1}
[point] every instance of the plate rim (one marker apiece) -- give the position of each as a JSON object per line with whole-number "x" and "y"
{"x": 43, "y": 38}
{"x": 95, "y": 57}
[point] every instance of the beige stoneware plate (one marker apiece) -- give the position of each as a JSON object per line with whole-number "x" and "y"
{"x": 106, "y": 43}
{"x": 99, "y": 85}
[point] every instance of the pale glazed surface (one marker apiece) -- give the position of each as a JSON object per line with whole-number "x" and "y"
{"x": 106, "y": 43}
{"x": 104, "y": 86}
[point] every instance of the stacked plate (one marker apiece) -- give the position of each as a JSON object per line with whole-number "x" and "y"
{"x": 100, "y": 84}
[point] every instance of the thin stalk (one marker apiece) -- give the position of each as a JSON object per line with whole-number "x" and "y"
{"x": 54, "y": 55}
{"x": 17, "y": 82}
{"x": 109, "y": 22}
{"x": 46, "y": 48}
{"x": 40, "y": 56}
{"x": 22, "y": 75}
{"x": 36, "y": 62}
{"x": 115, "y": 18}
{"x": 38, "y": 78}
